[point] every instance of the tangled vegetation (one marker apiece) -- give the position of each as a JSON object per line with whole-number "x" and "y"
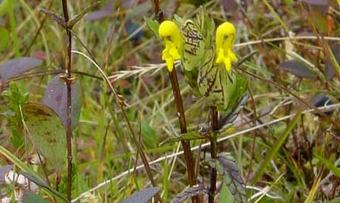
{"x": 170, "y": 101}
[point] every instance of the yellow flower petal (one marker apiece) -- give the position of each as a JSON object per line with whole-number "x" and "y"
{"x": 227, "y": 64}
{"x": 168, "y": 58}
{"x": 174, "y": 53}
{"x": 169, "y": 64}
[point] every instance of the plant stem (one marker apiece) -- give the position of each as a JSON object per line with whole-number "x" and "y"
{"x": 181, "y": 118}
{"x": 213, "y": 152}
{"x": 69, "y": 80}
{"x": 180, "y": 114}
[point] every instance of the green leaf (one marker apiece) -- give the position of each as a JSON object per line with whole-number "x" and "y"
{"x": 226, "y": 196}
{"x": 153, "y": 25}
{"x": 4, "y": 38}
{"x": 191, "y": 135}
{"x": 47, "y": 133}
{"x": 271, "y": 154}
{"x": 30, "y": 197}
{"x": 149, "y": 135}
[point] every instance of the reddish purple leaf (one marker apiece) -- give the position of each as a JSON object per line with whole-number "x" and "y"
{"x": 329, "y": 69}
{"x": 56, "y": 98}
{"x": 322, "y": 100}
{"x": 106, "y": 11}
{"x": 97, "y": 15}
{"x": 142, "y": 196}
{"x": 297, "y": 68}
{"x": 320, "y": 5}
{"x": 235, "y": 181}
{"x": 317, "y": 2}
{"x": 17, "y": 66}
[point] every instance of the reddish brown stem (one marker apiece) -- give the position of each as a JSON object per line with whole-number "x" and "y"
{"x": 69, "y": 104}
{"x": 181, "y": 118}
{"x": 190, "y": 164}
{"x": 213, "y": 152}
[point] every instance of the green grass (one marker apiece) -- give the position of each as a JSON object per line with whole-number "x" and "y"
{"x": 279, "y": 140}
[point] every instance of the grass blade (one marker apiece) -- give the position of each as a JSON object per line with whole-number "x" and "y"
{"x": 271, "y": 154}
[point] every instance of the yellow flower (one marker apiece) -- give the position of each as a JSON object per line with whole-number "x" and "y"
{"x": 171, "y": 36}
{"x": 225, "y": 38}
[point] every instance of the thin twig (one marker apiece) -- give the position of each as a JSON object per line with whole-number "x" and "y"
{"x": 68, "y": 80}
{"x": 213, "y": 152}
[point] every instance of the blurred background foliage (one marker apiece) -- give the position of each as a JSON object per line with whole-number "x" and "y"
{"x": 286, "y": 76}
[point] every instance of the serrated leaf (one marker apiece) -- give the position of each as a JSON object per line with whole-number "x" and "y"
{"x": 30, "y": 197}
{"x": 17, "y": 66}
{"x": 47, "y": 133}
{"x": 297, "y": 68}
{"x": 142, "y": 196}
{"x": 55, "y": 97}
{"x": 4, "y": 38}
{"x": 233, "y": 179}
{"x": 190, "y": 192}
